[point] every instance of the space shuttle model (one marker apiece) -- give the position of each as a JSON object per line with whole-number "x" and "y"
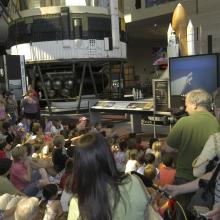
{"x": 180, "y": 37}
{"x": 180, "y": 34}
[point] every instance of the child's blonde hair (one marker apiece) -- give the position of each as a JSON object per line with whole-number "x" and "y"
{"x": 18, "y": 152}
{"x": 156, "y": 146}
{"x": 150, "y": 171}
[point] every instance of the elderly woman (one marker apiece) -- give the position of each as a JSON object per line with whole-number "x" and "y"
{"x": 101, "y": 192}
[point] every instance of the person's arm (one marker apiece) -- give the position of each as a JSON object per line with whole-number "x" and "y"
{"x": 169, "y": 149}
{"x": 192, "y": 186}
{"x": 27, "y": 177}
{"x": 214, "y": 214}
{"x": 58, "y": 208}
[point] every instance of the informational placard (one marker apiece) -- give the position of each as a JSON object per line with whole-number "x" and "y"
{"x": 161, "y": 95}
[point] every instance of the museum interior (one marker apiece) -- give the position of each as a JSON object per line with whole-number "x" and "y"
{"x": 109, "y": 109}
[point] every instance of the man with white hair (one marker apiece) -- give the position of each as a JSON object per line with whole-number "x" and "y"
{"x": 189, "y": 136}
{"x": 27, "y": 208}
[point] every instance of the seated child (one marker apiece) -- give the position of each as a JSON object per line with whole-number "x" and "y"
{"x": 52, "y": 205}
{"x": 167, "y": 172}
{"x": 59, "y": 155}
{"x": 68, "y": 172}
{"x": 132, "y": 164}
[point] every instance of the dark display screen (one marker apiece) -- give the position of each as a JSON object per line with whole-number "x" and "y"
{"x": 193, "y": 72}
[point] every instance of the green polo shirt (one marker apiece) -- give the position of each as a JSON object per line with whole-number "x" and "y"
{"x": 189, "y": 136}
{"x": 6, "y": 186}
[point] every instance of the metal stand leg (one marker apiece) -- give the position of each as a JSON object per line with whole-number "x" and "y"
{"x": 93, "y": 80}
{"x": 45, "y": 90}
{"x": 81, "y": 86}
{"x": 155, "y": 134}
{"x": 123, "y": 80}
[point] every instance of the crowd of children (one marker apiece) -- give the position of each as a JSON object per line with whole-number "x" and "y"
{"x": 36, "y": 160}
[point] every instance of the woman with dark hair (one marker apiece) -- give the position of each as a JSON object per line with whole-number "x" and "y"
{"x": 100, "y": 191}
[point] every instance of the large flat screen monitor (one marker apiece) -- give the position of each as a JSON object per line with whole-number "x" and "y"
{"x": 193, "y": 72}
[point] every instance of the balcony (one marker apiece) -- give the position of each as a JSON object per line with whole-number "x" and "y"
{"x": 150, "y": 3}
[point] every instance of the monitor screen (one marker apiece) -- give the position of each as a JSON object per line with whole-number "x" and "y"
{"x": 193, "y": 72}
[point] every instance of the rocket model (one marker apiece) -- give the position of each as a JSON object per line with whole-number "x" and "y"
{"x": 179, "y": 25}
{"x": 190, "y": 39}
{"x": 172, "y": 46}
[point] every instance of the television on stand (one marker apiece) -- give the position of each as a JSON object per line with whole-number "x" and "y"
{"x": 192, "y": 72}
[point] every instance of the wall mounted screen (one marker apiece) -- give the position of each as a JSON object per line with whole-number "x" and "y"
{"x": 193, "y": 72}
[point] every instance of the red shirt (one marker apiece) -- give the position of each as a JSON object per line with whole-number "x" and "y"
{"x": 2, "y": 154}
{"x": 63, "y": 180}
{"x": 167, "y": 176}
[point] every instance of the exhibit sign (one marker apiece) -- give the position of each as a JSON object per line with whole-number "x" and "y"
{"x": 161, "y": 96}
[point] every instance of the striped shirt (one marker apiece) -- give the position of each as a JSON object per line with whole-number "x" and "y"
{"x": 217, "y": 189}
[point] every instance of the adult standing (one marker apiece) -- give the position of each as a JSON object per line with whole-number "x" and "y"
{"x": 189, "y": 136}
{"x": 30, "y": 105}
{"x": 2, "y": 108}
{"x": 11, "y": 107}
{"x": 101, "y": 192}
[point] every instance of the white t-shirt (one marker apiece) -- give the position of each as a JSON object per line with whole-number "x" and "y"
{"x": 65, "y": 200}
{"x": 131, "y": 165}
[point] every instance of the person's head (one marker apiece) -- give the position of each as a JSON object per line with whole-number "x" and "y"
{"x": 6, "y": 126}
{"x": 216, "y": 103}
{"x": 133, "y": 154}
{"x": 94, "y": 171}
{"x": 149, "y": 158}
{"x": 27, "y": 208}
{"x": 50, "y": 191}
{"x": 122, "y": 145}
{"x": 69, "y": 166}
{"x": 29, "y": 149}
{"x": 150, "y": 172}
{"x": 156, "y": 146}
{"x": 19, "y": 153}
{"x": 167, "y": 160}
{"x": 198, "y": 100}
{"x": 8, "y": 94}
{"x": 151, "y": 141}
{"x": 98, "y": 126}
{"x": 5, "y": 166}
{"x": 3, "y": 145}
{"x": 36, "y": 128}
{"x": 131, "y": 143}
{"x": 59, "y": 141}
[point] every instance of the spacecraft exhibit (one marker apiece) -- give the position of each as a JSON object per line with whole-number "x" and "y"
{"x": 61, "y": 36}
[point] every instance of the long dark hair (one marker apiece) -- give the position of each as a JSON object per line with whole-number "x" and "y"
{"x": 95, "y": 176}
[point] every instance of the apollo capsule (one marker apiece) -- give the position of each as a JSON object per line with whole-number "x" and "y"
{"x": 179, "y": 25}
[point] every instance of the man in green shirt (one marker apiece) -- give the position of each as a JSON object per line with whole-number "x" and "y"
{"x": 189, "y": 136}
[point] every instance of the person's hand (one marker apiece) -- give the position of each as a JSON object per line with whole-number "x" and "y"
{"x": 214, "y": 214}
{"x": 172, "y": 190}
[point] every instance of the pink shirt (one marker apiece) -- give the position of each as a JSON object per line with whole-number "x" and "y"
{"x": 18, "y": 170}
